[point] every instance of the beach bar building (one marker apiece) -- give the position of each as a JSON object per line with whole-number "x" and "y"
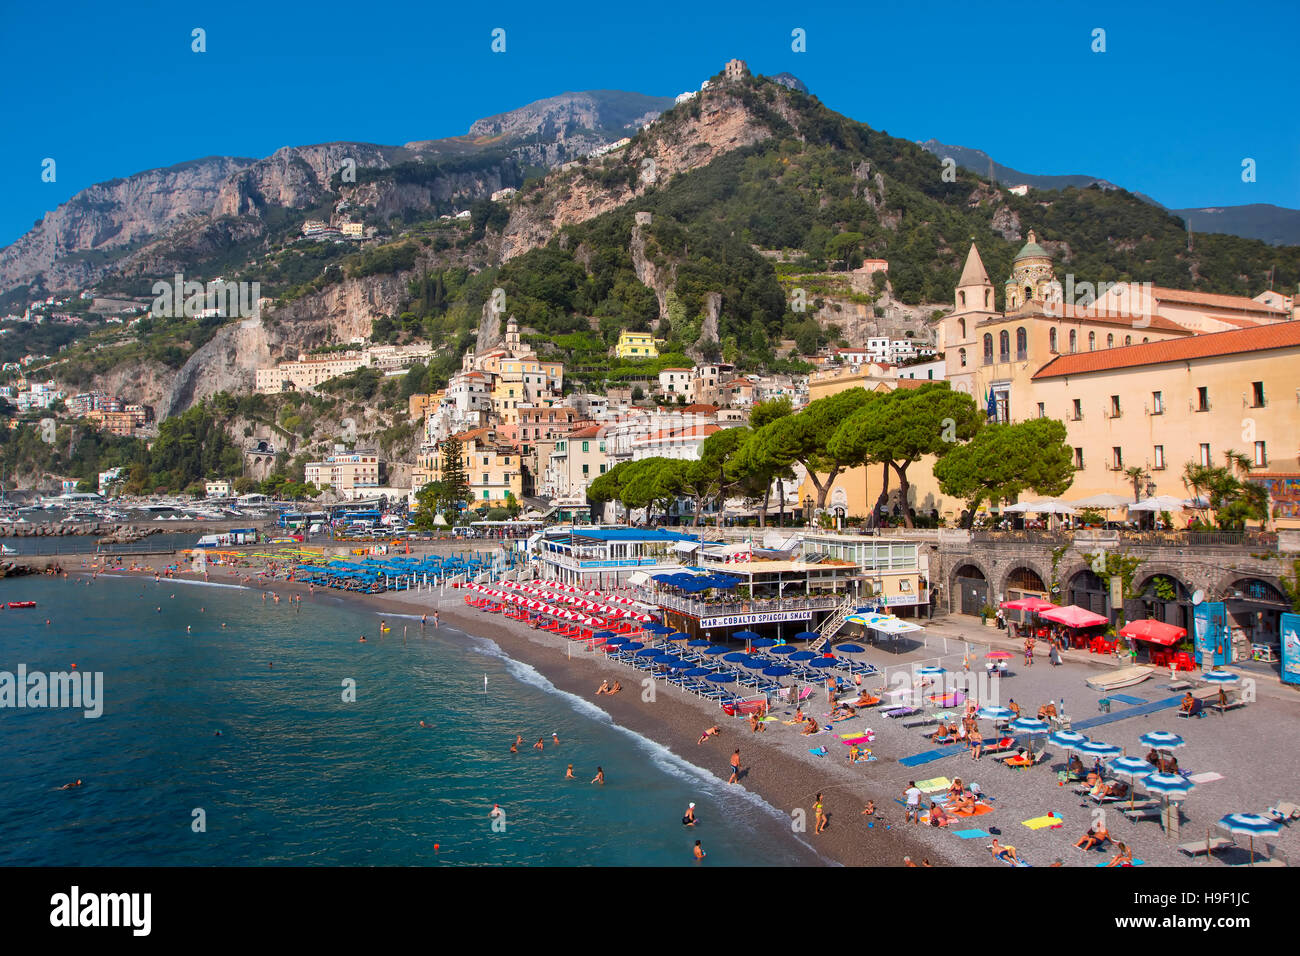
{"x": 606, "y": 557}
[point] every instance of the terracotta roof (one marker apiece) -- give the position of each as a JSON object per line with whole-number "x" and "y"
{"x": 700, "y": 409}
{"x": 676, "y": 370}
{"x": 694, "y": 431}
{"x": 913, "y": 382}
{"x": 1276, "y": 336}
{"x": 973, "y": 273}
{"x": 591, "y": 431}
{"x": 474, "y": 434}
{"x": 1072, "y": 313}
{"x": 1214, "y": 299}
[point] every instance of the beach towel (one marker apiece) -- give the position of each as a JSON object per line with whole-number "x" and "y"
{"x": 979, "y": 810}
{"x": 933, "y": 784}
{"x": 1003, "y": 859}
{"x": 817, "y": 751}
{"x": 1038, "y": 823}
{"x": 970, "y": 834}
{"x": 1136, "y": 862}
{"x": 854, "y": 741}
{"x": 1205, "y": 777}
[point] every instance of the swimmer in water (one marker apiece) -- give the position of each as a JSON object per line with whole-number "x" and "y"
{"x": 600, "y": 776}
{"x": 423, "y": 724}
{"x": 514, "y": 748}
{"x": 519, "y": 739}
{"x": 554, "y": 736}
{"x": 188, "y": 629}
{"x": 223, "y": 623}
{"x": 568, "y": 774}
{"x": 70, "y": 786}
{"x": 363, "y": 639}
{"x": 218, "y": 734}
{"x": 699, "y": 851}
{"x": 538, "y": 745}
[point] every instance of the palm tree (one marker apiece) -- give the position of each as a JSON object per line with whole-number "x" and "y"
{"x": 1136, "y": 474}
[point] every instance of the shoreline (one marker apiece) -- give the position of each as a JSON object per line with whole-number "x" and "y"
{"x": 673, "y": 720}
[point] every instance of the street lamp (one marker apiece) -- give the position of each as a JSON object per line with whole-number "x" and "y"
{"x": 807, "y": 509}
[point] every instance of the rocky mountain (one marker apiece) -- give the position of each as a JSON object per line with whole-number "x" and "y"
{"x": 1276, "y": 225}
{"x": 152, "y": 220}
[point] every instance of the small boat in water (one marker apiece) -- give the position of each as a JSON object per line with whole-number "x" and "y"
{"x": 22, "y": 604}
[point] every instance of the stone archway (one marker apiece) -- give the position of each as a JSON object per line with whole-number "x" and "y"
{"x": 969, "y": 587}
{"x": 1088, "y": 590}
{"x": 1254, "y": 605}
{"x": 1162, "y": 595}
{"x": 1022, "y": 581}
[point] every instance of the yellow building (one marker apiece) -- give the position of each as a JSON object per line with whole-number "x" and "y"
{"x": 636, "y": 345}
{"x": 1162, "y": 405}
{"x": 492, "y": 468}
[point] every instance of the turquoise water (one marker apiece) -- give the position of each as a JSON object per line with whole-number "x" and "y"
{"x": 298, "y": 775}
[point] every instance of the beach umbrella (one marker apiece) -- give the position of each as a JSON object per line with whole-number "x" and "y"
{"x": 699, "y": 642}
{"x": 783, "y": 649}
{"x": 778, "y": 670}
{"x": 632, "y": 646}
{"x": 665, "y": 659}
{"x": 1252, "y": 825}
{"x": 1161, "y": 740}
{"x": 1167, "y": 784}
{"x": 613, "y": 641}
{"x": 716, "y": 649}
{"x": 678, "y": 636}
{"x": 745, "y": 635}
{"x": 649, "y": 652}
{"x": 736, "y": 657}
{"x": 994, "y": 713}
{"x": 1095, "y": 748}
{"x": 802, "y": 656}
{"x": 999, "y": 655}
{"x": 755, "y": 663}
{"x": 930, "y": 671}
{"x": 763, "y": 642}
{"x": 1068, "y": 739}
{"x": 1219, "y": 677}
{"x": 699, "y": 671}
{"x": 682, "y": 665}
{"x": 807, "y": 636}
{"x": 1031, "y": 726}
{"x": 654, "y": 628}
{"x": 1135, "y": 768}
{"x": 721, "y": 678}
{"x": 822, "y": 662}
{"x": 849, "y": 649}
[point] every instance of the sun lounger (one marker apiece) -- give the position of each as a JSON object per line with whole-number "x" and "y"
{"x": 1284, "y": 812}
{"x": 1038, "y": 758}
{"x": 1213, "y": 845}
{"x": 921, "y": 721}
{"x": 1142, "y": 811}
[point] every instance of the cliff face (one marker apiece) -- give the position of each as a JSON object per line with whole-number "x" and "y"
{"x": 229, "y": 360}
{"x": 294, "y": 177}
{"x": 111, "y": 217}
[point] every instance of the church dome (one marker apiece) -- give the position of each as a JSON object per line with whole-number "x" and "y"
{"x": 1032, "y": 250}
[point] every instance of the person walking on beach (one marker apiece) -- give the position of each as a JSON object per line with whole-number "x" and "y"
{"x": 735, "y": 766}
{"x": 913, "y": 805}
{"x": 435, "y": 620}
{"x": 819, "y": 815}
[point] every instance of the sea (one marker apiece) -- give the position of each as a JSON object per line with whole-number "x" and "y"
{"x": 238, "y": 731}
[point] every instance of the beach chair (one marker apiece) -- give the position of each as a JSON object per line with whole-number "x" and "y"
{"x": 1143, "y": 810}
{"x": 1283, "y": 812}
{"x": 900, "y": 712}
{"x": 921, "y": 721}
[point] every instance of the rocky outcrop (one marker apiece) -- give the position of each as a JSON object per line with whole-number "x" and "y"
{"x": 294, "y": 177}
{"x": 112, "y": 217}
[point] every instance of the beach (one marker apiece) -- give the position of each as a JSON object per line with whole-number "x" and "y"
{"x": 780, "y": 769}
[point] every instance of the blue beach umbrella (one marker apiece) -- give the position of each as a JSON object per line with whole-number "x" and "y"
{"x": 1068, "y": 739}
{"x": 632, "y": 646}
{"x": 823, "y": 662}
{"x": 615, "y": 641}
{"x": 649, "y": 652}
{"x": 1251, "y": 824}
{"x": 721, "y": 678}
{"x": 783, "y": 649}
{"x": 802, "y": 656}
{"x": 1133, "y": 767}
{"x": 736, "y": 657}
{"x": 1029, "y": 725}
{"x": 1162, "y": 740}
{"x": 778, "y": 670}
{"x": 1095, "y": 748}
{"x": 654, "y": 628}
{"x": 699, "y": 671}
{"x": 716, "y": 649}
{"x": 699, "y": 642}
{"x": 994, "y": 713}
{"x": 665, "y": 659}
{"x": 682, "y": 665}
{"x": 745, "y": 635}
{"x": 849, "y": 649}
{"x": 807, "y": 636}
{"x": 763, "y": 642}
{"x": 930, "y": 671}
{"x": 1219, "y": 677}
{"x": 678, "y": 636}
{"x": 1167, "y": 784}
{"x": 755, "y": 663}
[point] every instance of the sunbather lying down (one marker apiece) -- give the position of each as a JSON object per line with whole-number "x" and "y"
{"x": 1005, "y": 853}
{"x": 1115, "y": 788}
{"x": 1021, "y": 759}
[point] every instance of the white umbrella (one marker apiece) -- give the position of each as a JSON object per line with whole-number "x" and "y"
{"x": 1159, "y": 503}
{"x": 1104, "y": 500}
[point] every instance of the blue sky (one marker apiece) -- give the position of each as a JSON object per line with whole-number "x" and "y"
{"x": 1183, "y": 93}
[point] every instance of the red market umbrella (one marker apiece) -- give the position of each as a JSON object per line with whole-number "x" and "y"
{"x": 1032, "y": 604}
{"x": 1157, "y": 632}
{"x": 1072, "y": 616}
